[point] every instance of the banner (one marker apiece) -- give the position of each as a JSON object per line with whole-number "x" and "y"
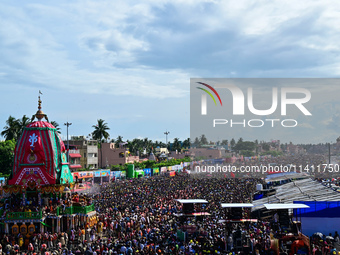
{"x": 81, "y": 175}
{"x": 105, "y": 173}
{"x": 116, "y": 174}
{"x": 147, "y": 171}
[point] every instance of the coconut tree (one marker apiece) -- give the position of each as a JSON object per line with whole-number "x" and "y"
{"x": 11, "y": 130}
{"x": 176, "y": 146}
{"x": 118, "y": 141}
{"x": 99, "y": 133}
{"x": 186, "y": 143}
{"x": 22, "y": 123}
{"x": 56, "y": 125}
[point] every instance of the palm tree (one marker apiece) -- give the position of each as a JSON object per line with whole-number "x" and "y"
{"x": 176, "y": 146}
{"x": 186, "y": 143}
{"x": 11, "y": 130}
{"x": 100, "y": 132}
{"x": 22, "y": 123}
{"x": 232, "y": 143}
{"x": 147, "y": 145}
{"x": 118, "y": 141}
{"x": 56, "y": 125}
{"x": 203, "y": 139}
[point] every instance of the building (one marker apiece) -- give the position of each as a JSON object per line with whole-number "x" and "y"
{"x": 159, "y": 151}
{"x": 110, "y": 155}
{"x": 209, "y": 153}
{"x": 84, "y": 153}
{"x": 295, "y": 149}
{"x": 74, "y": 156}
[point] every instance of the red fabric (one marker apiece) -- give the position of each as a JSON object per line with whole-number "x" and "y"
{"x": 75, "y": 166}
{"x": 40, "y": 124}
{"x": 75, "y": 155}
{"x": 36, "y": 156}
{"x": 36, "y": 174}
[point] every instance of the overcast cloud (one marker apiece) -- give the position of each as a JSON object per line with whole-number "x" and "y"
{"x": 130, "y": 62}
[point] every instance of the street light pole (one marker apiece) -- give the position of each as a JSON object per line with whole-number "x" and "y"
{"x": 67, "y": 124}
{"x": 166, "y": 136}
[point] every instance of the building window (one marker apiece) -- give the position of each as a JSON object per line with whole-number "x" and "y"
{"x": 84, "y": 154}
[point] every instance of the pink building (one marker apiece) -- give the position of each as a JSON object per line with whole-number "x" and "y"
{"x": 114, "y": 156}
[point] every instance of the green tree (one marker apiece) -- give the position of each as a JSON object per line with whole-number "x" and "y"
{"x": 99, "y": 133}
{"x": 6, "y": 156}
{"x": 203, "y": 139}
{"x": 196, "y": 142}
{"x": 186, "y": 143}
{"x": 118, "y": 141}
{"x": 22, "y": 123}
{"x": 11, "y": 130}
{"x": 247, "y": 153}
{"x": 147, "y": 144}
{"x": 232, "y": 143}
{"x": 265, "y": 147}
{"x": 283, "y": 147}
{"x": 245, "y": 146}
{"x": 224, "y": 142}
{"x": 15, "y": 127}
{"x": 56, "y": 125}
{"x": 176, "y": 145}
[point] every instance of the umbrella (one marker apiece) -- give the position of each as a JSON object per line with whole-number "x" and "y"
{"x": 318, "y": 234}
{"x": 331, "y": 238}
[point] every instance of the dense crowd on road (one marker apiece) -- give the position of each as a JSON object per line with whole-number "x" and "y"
{"x": 142, "y": 216}
{"x": 138, "y": 216}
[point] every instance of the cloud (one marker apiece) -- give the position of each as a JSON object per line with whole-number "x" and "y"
{"x": 34, "y": 56}
{"x": 149, "y": 50}
{"x": 121, "y": 47}
{"x": 215, "y": 38}
{"x": 306, "y": 125}
{"x": 334, "y": 123}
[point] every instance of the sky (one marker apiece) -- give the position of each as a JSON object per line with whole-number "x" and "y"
{"x": 130, "y": 62}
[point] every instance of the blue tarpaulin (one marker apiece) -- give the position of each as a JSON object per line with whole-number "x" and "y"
{"x": 258, "y": 196}
{"x": 327, "y": 209}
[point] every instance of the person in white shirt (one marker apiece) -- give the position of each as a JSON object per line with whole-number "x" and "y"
{"x": 276, "y": 217}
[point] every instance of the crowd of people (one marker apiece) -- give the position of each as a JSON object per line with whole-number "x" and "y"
{"x": 143, "y": 216}
{"x": 138, "y": 216}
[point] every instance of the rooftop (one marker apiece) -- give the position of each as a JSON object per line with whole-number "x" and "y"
{"x": 301, "y": 190}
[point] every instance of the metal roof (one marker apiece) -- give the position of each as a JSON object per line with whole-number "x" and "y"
{"x": 285, "y": 206}
{"x": 301, "y": 190}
